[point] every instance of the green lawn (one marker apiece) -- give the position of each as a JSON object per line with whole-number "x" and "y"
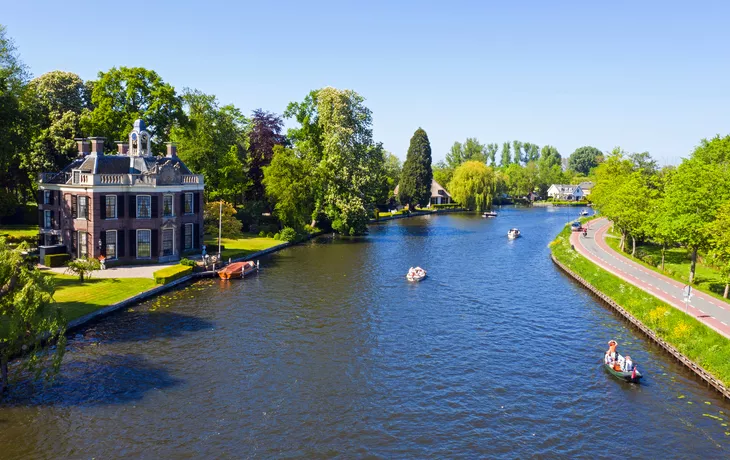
{"x": 240, "y": 247}
{"x": 18, "y": 231}
{"x": 695, "y": 340}
{"x": 77, "y": 299}
{"x": 676, "y": 266}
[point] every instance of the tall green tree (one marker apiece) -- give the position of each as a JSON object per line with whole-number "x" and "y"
{"x": 392, "y": 169}
{"x": 491, "y": 150}
{"x": 474, "y": 150}
{"x": 292, "y": 187}
{"x": 415, "y": 182}
{"x": 212, "y": 143}
{"x": 719, "y": 232}
{"x": 473, "y": 185}
{"x": 517, "y": 152}
{"x": 455, "y": 156}
{"x": 584, "y": 159}
{"x": 506, "y": 156}
{"x": 122, "y": 95}
{"x": 27, "y": 312}
{"x": 442, "y": 173}
{"x": 265, "y": 132}
{"x": 532, "y": 152}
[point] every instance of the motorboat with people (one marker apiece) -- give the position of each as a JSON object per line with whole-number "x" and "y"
{"x": 584, "y": 212}
{"x": 238, "y": 269}
{"x": 513, "y": 233}
{"x": 489, "y": 214}
{"x": 621, "y": 367}
{"x": 416, "y": 274}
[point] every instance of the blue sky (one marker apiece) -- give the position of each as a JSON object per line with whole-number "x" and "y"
{"x": 646, "y": 76}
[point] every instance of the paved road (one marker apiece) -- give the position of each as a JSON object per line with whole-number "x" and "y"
{"x": 705, "y": 308}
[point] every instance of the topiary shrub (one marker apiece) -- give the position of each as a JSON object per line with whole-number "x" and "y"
{"x": 170, "y": 274}
{"x": 188, "y": 262}
{"x": 269, "y": 235}
{"x": 288, "y": 234}
{"x": 56, "y": 260}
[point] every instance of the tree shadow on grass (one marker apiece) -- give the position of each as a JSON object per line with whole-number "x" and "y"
{"x": 93, "y": 381}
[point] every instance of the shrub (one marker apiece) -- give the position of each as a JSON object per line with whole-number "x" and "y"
{"x": 56, "y": 260}
{"x": 83, "y": 267}
{"x": 170, "y": 274}
{"x": 288, "y": 234}
{"x": 262, "y": 234}
{"x": 277, "y": 236}
{"x": 269, "y": 235}
{"x": 311, "y": 230}
{"x": 188, "y": 262}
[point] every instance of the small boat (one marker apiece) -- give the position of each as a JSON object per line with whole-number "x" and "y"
{"x": 584, "y": 212}
{"x": 513, "y": 233}
{"x": 238, "y": 269}
{"x": 489, "y": 214}
{"x": 416, "y": 274}
{"x": 633, "y": 376}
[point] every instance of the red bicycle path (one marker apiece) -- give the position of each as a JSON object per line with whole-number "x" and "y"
{"x": 705, "y": 308}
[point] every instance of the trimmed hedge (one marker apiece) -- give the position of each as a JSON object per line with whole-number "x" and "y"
{"x": 56, "y": 260}
{"x": 446, "y": 206}
{"x": 170, "y": 274}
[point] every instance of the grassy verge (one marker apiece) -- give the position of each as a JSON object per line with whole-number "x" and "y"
{"x": 240, "y": 247}
{"x": 696, "y": 341}
{"x": 676, "y": 266}
{"x": 16, "y": 233}
{"x": 389, "y": 214}
{"x": 77, "y": 299}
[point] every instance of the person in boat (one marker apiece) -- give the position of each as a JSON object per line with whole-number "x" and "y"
{"x": 619, "y": 364}
{"x": 628, "y": 364}
{"x": 611, "y": 353}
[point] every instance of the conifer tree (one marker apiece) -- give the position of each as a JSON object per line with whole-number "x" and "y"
{"x": 415, "y": 182}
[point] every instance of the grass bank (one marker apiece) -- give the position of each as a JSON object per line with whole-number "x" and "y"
{"x": 676, "y": 266}
{"x": 693, "y": 339}
{"x": 240, "y": 247}
{"x": 18, "y": 232}
{"x": 77, "y": 299}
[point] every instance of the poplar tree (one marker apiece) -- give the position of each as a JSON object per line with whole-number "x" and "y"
{"x": 415, "y": 182}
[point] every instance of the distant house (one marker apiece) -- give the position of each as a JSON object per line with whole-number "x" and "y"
{"x": 586, "y": 187}
{"x": 439, "y": 195}
{"x": 565, "y": 192}
{"x": 532, "y": 196}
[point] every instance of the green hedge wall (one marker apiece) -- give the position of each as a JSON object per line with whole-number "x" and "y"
{"x": 56, "y": 260}
{"x": 170, "y": 274}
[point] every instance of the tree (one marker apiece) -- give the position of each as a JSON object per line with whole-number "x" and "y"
{"x": 549, "y": 157}
{"x": 506, "y": 158}
{"x": 474, "y": 151}
{"x": 473, "y": 185}
{"x": 392, "y": 169}
{"x": 716, "y": 150}
{"x": 584, "y": 159}
{"x": 719, "y": 231}
{"x": 28, "y": 313}
{"x": 610, "y": 176}
{"x": 83, "y": 268}
{"x": 517, "y": 152}
{"x": 455, "y": 156}
{"x": 212, "y": 143}
{"x": 491, "y": 150}
{"x": 265, "y": 133}
{"x": 122, "y": 95}
{"x": 16, "y": 128}
{"x": 213, "y": 213}
{"x": 415, "y": 182}
{"x": 442, "y": 173}
{"x": 291, "y": 186}
{"x": 644, "y": 162}
{"x": 532, "y": 152}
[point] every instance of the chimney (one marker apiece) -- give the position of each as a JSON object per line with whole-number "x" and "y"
{"x": 122, "y": 147}
{"x": 97, "y": 146}
{"x": 171, "y": 150}
{"x": 84, "y": 146}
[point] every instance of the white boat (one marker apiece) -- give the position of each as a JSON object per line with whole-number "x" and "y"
{"x": 489, "y": 214}
{"x": 584, "y": 213}
{"x": 416, "y": 274}
{"x": 513, "y": 233}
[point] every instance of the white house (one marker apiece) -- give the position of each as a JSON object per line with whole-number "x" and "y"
{"x": 586, "y": 187}
{"x": 439, "y": 195}
{"x": 565, "y": 192}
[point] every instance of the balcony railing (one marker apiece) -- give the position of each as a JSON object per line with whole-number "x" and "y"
{"x": 114, "y": 179}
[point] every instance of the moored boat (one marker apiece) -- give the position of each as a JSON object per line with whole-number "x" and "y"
{"x": 416, "y": 274}
{"x": 489, "y": 214}
{"x": 584, "y": 213}
{"x": 513, "y": 233}
{"x": 237, "y": 269}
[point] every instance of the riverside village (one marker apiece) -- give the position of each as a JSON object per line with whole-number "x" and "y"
{"x": 338, "y": 244}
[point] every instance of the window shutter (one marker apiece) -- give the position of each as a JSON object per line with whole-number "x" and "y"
{"x": 40, "y": 197}
{"x": 182, "y": 239}
{"x": 51, "y": 196}
{"x": 89, "y": 246}
{"x": 102, "y": 237}
{"x": 196, "y": 236}
{"x": 155, "y": 207}
{"x": 103, "y": 207}
{"x": 155, "y": 243}
{"x": 182, "y": 204}
{"x": 41, "y": 220}
{"x": 133, "y": 206}
{"x": 89, "y": 213}
{"x": 120, "y": 243}
{"x": 74, "y": 206}
{"x": 120, "y": 206}
{"x": 75, "y": 243}
{"x": 54, "y": 222}
{"x": 196, "y": 202}
{"x": 132, "y": 243}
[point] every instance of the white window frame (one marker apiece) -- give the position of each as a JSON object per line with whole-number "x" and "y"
{"x": 148, "y": 207}
{"x": 162, "y": 243}
{"x": 136, "y": 243}
{"x": 116, "y": 245}
{"x": 47, "y": 220}
{"x": 85, "y": 245}
{"x": 79, "y": 214}
{"x": 46, "y": 197}
{"x": 188, "y": 232}
{"x": 76, "y": 175}
{"x": 172, "y": 205}
{"x": 192, "y": 203}
{"x": 107, "y": 209}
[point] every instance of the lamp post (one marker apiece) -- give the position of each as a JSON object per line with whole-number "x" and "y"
{"x": 220, "y": 221}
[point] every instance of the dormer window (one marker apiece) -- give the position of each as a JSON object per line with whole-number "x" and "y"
{"x": 76, "y": 177}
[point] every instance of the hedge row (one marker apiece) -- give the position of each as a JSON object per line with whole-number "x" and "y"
{"x": 170, "y": 274}
{"x": 56, "y": 260}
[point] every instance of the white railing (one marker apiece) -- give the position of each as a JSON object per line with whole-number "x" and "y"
{"x": 114, "y": 179}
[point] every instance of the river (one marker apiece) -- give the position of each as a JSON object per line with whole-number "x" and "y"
{"x": 329, "y": 351}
